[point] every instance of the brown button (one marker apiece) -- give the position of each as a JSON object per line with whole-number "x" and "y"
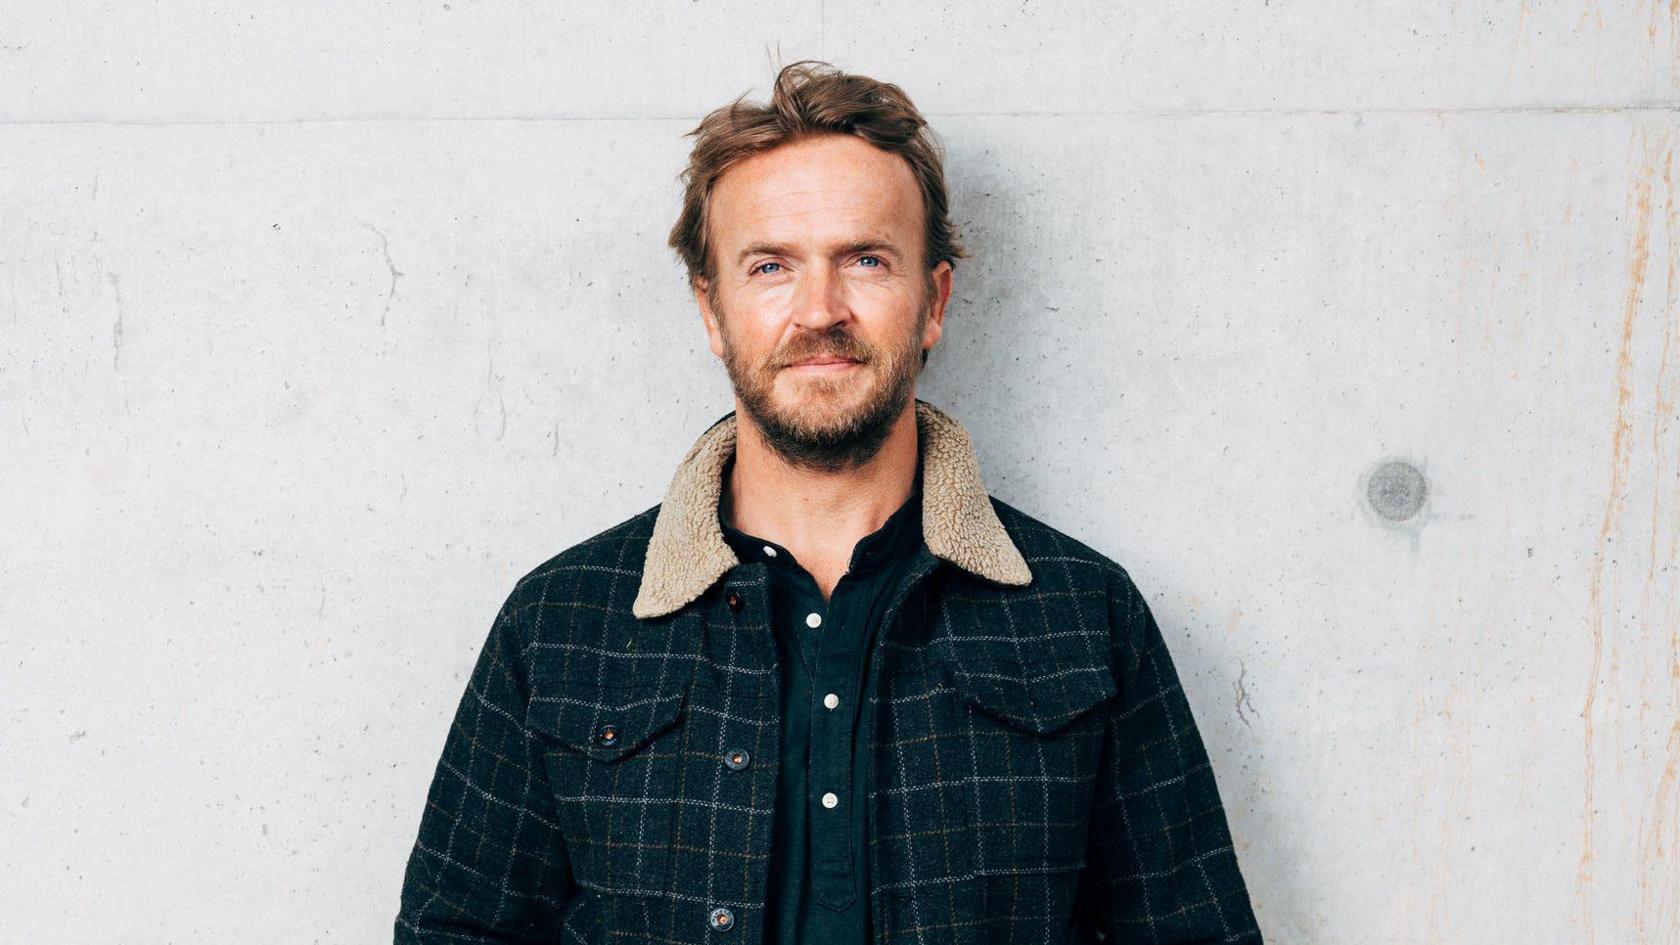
{"x": 607, "y": 736}
{"x": 737, "y": 759}
{"x": 734, "y": 600}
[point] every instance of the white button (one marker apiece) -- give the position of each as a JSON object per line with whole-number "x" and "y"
{"x": 831, "y": 700}
{"x": 829, "y": 800}
{"x": 771, "y": 552}
{"x": 813, "y": 620}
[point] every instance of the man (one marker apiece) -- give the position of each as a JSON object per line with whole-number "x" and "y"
{"x": 828, "y": 690}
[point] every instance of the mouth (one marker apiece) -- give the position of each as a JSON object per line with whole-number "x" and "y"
{"x": 824, "y": 364}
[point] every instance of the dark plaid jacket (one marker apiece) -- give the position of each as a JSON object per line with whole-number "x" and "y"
{"x": 1037, "y": 776}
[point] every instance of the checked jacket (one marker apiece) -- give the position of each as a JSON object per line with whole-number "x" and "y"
{"x": 1036, "y": 774}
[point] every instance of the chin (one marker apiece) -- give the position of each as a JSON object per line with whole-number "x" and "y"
{"x": 823, "y": 401}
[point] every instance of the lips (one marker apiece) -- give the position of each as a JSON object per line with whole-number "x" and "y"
{"x": 814, "y": 362}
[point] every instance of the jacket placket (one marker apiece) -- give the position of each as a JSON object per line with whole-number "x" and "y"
{"x": 738, "y": 641}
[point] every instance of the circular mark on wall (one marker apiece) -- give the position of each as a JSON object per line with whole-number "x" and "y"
{"x": 1396, "y": 491}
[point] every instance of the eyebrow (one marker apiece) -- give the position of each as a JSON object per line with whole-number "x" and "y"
{"x": 845, "y": 249}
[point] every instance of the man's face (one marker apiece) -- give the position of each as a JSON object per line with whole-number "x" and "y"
{"x": 821, "y": 305}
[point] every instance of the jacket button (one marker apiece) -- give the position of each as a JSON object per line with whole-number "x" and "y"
{"x": 607, "y": 736}
{"x": 737, "y": 759}
{"x": 734, "y": 600}
{"x": 721, "y": 919}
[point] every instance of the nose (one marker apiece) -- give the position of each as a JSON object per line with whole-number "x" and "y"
{"x": 821, "y": 298}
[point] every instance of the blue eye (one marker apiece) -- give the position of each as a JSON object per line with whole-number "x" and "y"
{"x": 763, "y": 264}
{"x": 876, "y": 258}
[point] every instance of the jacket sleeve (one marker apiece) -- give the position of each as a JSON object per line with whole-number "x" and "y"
{"x": 1160, "y": 867}
{"x": 488, "y": 864}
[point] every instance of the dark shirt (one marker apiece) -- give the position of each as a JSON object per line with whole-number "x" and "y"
{"x": 817, "y": 852}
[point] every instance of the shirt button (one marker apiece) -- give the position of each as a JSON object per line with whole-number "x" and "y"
{"x": 737, "y": 759}
{"x": 721, "y": 919}
{"x": 769, "y": 551}
{"x": 607, "y": 736}
{"x": 830, "y": 799}
{"x": 734, "y": 601}
{"x": 813, "y": 620}
{"x": 830, "y": 701}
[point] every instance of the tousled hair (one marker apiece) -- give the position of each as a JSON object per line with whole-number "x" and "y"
{"x": 811, "y": 98}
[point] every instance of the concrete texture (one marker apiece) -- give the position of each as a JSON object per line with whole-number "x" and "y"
{"x": 322, "y": 323}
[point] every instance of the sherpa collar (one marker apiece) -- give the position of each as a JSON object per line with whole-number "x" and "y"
{"x": 687, "y": 552}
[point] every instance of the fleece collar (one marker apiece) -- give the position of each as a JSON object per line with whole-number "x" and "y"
{"x": 687, "y": 552}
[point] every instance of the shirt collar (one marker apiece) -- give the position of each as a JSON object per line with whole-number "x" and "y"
{"x": 900, "y": 533}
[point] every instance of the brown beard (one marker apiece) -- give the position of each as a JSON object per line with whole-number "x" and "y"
{"x": 860, "y": 436}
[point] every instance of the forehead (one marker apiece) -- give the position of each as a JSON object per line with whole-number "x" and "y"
{"x": 827, "y": 188}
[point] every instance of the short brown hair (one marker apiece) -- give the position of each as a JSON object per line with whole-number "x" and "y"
{"x": 810, "y": 98}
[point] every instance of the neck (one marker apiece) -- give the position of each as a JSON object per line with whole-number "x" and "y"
{"x": 817, "y": 515}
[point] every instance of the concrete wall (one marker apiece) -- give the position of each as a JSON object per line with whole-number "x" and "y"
{"x": 320, "y": 323}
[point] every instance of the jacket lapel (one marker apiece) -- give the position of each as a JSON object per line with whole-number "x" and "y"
{"x": 687, "y": 552}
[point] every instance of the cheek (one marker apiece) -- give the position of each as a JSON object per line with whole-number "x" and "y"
{"x": 749, "y": 341}
{"x": 889, "y": 323}
{"x": 887, "y": 302}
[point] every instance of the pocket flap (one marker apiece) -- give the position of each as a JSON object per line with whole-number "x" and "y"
{"x": 604, "y": 723}
{"x": 1034, "y": 702}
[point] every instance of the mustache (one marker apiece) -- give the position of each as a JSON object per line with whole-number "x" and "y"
{"x": 839, "y": 346}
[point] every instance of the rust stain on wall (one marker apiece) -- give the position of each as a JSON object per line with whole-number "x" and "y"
{"x": 1642, "y": 185}
{"x": 1659, "y": 835}
{"x": 1634, "y": 612}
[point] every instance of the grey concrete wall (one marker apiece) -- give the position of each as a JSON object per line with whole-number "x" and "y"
{"x": 320, "y": 323}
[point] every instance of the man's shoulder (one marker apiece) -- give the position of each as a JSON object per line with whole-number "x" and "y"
{"x": 1056, "y": 557}
{"x": 1070, "y": 577}
{"x": 600, "y": 566}
{"x": 1065, "y": 568}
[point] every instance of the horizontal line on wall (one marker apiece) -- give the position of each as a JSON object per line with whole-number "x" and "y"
{"x": 1107, "y": 113}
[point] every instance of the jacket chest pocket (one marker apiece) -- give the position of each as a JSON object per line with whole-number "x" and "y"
{"x": 612, "y": 754}
{"x": 1035, "y": 742}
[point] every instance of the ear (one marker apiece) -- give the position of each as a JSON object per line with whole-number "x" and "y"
{"x": 714, "y": 334}
{"x": 943, "y": 278}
